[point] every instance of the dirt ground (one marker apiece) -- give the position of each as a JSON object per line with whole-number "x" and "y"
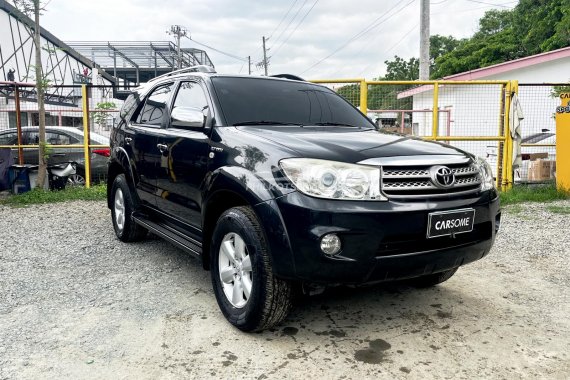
{"x": 76, "y": 303}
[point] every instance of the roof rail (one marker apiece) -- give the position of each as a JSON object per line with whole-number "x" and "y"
{"x": 288, "y": 76}
{"x": 191, "y": 69}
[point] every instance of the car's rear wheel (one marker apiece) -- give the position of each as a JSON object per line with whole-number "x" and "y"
{"x": 76, "y": 180}
{"x": 249, "y": 295}
{"x": 124, "y": 203}
{"x": 432, "y": 279}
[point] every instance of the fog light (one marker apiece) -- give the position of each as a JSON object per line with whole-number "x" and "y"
{"x": 330, "y": 244}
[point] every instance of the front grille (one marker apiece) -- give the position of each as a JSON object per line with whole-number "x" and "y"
{"x": 408, "y": 182}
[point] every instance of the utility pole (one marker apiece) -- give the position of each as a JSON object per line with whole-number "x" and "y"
{"x": 424, "y": 40}
{"x": 178, "y": 31}
{"x": 264, "y": 57}
{"x": 265, "y": 62}
{"x": 249, "y": 63}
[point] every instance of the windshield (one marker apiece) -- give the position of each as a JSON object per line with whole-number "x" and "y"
{"x": 251, "y": 101}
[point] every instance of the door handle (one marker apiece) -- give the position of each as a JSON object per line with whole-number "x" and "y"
{"x": 59, "y": 155}
{"x": 128, "y": 140}
{"x": 162, "y": 147}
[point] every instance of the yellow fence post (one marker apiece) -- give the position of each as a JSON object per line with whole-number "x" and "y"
{"x": 511, "y": 173}
{"x": 363, "y": 96}
{"x": 501, "y": 144}
{"x": 507, "y": 174}
{"x": 86, "y": 153}
{"x": 435, "y": 113}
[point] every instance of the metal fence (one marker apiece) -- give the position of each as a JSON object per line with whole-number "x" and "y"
{"x": 538, "y": 128}
{"x": 78, "y": 124}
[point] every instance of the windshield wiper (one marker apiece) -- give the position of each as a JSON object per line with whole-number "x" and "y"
{"x": 330, "y": 123}
{"x": 265, "y": 122}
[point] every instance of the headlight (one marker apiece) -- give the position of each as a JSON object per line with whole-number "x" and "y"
{"x": 486, "y": 174}
{"x": 333, "y": 180}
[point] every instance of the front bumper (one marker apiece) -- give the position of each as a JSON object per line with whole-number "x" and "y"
{"x": 381, "y": 241}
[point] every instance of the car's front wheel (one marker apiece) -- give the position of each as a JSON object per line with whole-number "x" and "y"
{"x": 123, "y": 204}
{"x": 249, "y": 295}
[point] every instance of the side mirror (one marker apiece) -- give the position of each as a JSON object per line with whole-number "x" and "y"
{"x": 188, "y": 118}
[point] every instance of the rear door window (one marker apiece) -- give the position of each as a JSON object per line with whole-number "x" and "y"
{"x": 57, "y": 138}
{"x": 154, "y": 109}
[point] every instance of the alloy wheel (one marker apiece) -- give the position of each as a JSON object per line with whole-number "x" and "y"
{"x": 119, "y": 207}
{"x": 235, "y": 270}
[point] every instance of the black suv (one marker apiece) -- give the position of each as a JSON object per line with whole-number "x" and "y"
{"x": 277, "y": 182}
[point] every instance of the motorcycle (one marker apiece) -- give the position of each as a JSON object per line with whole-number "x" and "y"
{"x": 58, "y": 174}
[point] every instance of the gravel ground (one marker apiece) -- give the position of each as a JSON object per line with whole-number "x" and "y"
{"x": 77, "y": 303}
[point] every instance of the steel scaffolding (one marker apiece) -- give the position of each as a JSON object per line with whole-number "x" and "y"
{"x": 132, "y": 63}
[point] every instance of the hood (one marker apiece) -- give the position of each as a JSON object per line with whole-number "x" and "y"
{"x": 348, "y": 144}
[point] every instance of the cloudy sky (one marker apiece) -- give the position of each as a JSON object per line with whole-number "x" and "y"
{"x": 310, "y": 38}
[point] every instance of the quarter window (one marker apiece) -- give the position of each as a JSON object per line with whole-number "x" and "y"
{"x": 9, "y": 138}
{"x": 155, "y": 106}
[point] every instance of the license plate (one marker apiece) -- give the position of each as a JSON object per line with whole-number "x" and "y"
{"x": 450, "y": 222}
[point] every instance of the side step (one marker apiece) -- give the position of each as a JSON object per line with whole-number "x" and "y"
{"x": 186, "y": 243}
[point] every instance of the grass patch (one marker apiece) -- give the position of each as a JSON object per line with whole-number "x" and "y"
{"x": 559, "y": 209}
{"x": 38, "y": 196}
{"x": 533, "y": 193}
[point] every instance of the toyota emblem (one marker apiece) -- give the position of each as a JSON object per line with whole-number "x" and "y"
{"x": 442, "y": 177}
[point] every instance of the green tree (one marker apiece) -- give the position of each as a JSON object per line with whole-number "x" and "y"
{"x": 400, "y": 69}
{"x": 33, "y": 8}
{"x": 440, "y": 45}
{"x": 532, "y": 27}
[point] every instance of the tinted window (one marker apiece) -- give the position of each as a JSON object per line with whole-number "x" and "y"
{"x": 56, "y": 138}
{"x": 258, "y": 100}
{"x": 190, "y": 94}
{"x": 155, "y": 106}
{"x": 12, "y": 119}
{"x": 128, "y": 106}
{"x": 31, "y": 138}
{"x": 8, "y": 138}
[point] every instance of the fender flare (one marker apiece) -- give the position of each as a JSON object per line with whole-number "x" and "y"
{"x": 255, "y": 191}
{"x": 121, "y": 158}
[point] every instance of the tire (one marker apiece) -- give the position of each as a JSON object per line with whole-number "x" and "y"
{"x": 123, "y": 204}
{"x": 261, "y": 300}
{"x": 77, "y": 179}
{"x": 432, "y": 279}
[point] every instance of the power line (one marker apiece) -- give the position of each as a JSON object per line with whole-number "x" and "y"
{"x": 467, "y": 10}
{"x": 373, "y": 25}
{"x": 393, "y": 46}
{"x": 289, "y": 23}
{"x": 218, "y": 50}
{"x": 281, "y": 22}
{"x": 294, "y": 30}
{"x": 286, "y": 27}
{"x": 379, "y": 22}
{"x": 491, "y": 4}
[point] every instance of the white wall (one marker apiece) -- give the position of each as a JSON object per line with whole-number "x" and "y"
{"x": 474, "y": 110}
{"x": 548, "y": 72}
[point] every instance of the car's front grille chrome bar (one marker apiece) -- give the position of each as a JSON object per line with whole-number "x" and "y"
{"x": 424, "y": 181}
